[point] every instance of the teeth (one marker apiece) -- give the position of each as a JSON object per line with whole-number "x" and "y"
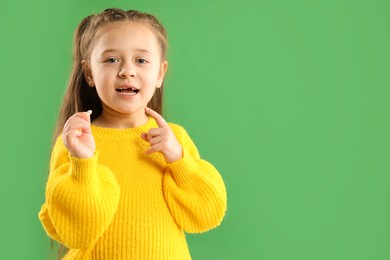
{"x": 133, "y": 90}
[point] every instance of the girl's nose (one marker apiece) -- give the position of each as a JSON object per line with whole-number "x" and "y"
{"x": 127, "y": 71}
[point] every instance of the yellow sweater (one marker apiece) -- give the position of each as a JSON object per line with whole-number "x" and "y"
{"x": 125, "y": 204}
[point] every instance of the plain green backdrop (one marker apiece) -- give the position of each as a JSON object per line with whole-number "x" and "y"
{"x": 289, "y": 99}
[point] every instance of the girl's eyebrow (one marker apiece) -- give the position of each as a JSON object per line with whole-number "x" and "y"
{"x": 109, "y": 50}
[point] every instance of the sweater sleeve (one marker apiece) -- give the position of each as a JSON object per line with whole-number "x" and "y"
{"x": 81, "y": 199}
{"x": 194, "y": 189}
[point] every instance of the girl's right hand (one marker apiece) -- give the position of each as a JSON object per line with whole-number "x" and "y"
{"x": 77, "y": 135}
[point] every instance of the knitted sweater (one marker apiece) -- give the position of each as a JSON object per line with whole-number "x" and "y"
{"x": 125, "y": 204}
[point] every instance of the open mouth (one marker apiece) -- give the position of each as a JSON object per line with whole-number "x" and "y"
{"x": 127, "y": 91}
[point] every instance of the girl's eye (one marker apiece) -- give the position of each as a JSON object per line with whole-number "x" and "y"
{"x": 142, "y": 61}
{"x": 112, "y": 60}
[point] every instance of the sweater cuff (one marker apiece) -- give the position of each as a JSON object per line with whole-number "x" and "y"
{"x": 84, "y": 169}
{"x": 184, "y": 169}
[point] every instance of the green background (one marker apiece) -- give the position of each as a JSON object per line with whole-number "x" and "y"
{"x": 287, "y": 98}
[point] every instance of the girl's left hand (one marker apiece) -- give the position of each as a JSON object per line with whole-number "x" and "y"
{"x": 162, "y": 139}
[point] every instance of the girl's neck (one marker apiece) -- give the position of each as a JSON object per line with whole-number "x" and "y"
{"x": 108, "y": 119}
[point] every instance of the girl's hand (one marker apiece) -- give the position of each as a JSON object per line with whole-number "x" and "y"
{"x": 77, "y": 135}
{"x": 162, "y": 139}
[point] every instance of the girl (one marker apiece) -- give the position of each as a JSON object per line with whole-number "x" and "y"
{"x": 124, "y": 183}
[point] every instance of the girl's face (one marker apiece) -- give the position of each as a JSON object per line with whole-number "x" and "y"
{"x": 125, "y": 67}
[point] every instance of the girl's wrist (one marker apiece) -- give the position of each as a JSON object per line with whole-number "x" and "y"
{"x": 176, "y": 157}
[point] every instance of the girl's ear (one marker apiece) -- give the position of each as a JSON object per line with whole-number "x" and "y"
{"x": 163, "y": 70}
{"x": 87, "y": 73}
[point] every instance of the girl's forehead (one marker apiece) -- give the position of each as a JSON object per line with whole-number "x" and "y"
{"x": 114, "y": 27}
{"x": 125, "y": 34}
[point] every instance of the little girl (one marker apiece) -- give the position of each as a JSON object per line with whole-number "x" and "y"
{"x": 124, "y": 183}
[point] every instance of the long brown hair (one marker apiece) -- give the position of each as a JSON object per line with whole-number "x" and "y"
{"x": 79, "y": 95}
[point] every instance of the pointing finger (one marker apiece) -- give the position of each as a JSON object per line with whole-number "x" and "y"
{"x": 159, "y": 119}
